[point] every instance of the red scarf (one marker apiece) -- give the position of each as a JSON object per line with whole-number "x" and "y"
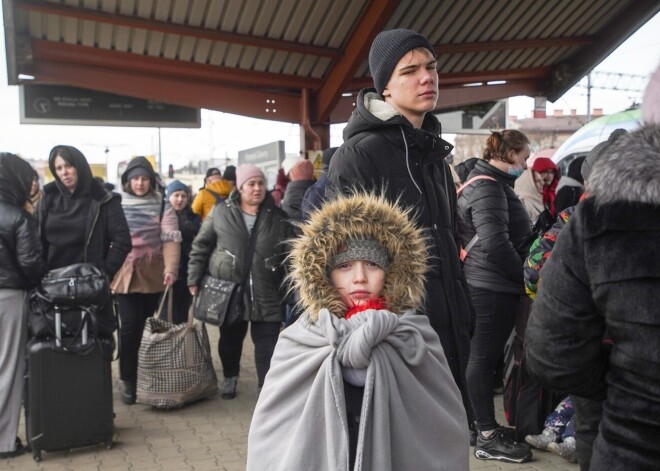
{"x": 370, "y": 304}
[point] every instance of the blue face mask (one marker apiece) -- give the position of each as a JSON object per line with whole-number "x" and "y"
{"x": 516, "y": 171}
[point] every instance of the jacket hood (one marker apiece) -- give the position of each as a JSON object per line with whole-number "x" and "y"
{"x": 525, "y": 187}
{"x": 358, "y": 216}
{"x": 16, "y": 177}
{"x": 79, "y": 162}
{"x": 222, "y": 187}
{"x": 629, "y": 170}
{"x": 140, "y": 161}
{"x": 372, "y": 112}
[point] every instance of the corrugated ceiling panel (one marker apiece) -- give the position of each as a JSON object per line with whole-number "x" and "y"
{"x": 218, "y": 50}
{"x": 179, "y": 13}
{"x": 144, "y": 9}
{"x": 155, "y": 43}
{"x": 306, "y": 65}
{"x": 36, "y": 24}
{"x": 248, "y": 57}
{"x": 121, "y": 40}
{"x": 556, "y": 17}
{"x": 281, "y": 18}
{"x": 278, "y": 61}
{"x": 247, "y": 18}
{"x": 342, "y": 27}
{"x": 232, "y": 56}
{"x": 230, "y": 15}
{"x": 202, "y": 50}
{"x": 69, "y": 29}
{"x": 292, "y": 63}
{"x": 52, "y": 28}
{"x": 138, "y": 41}
{"x": 170, "y": 46}
{"x": 321, "y": 68}
{"x": 213, "y": 14}
{"x": 316, "y": 15}
{"x": 162, "y": 9}
{"x": 296, "y": 20}
{"x": 88, "y": 33}
{"x": 260, "y": 27}
{"x": 109, "y": 6}
{"x": 104, "y": 38}
{"x": 186, "y": 48}
{"x": 127, "y": 7}
{"x": 197, "y": 12}
{"x": 263, "y": 59}
{"x": 332, "y": 18}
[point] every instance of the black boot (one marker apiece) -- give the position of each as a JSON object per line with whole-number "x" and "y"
{"x": 128, "y": 392}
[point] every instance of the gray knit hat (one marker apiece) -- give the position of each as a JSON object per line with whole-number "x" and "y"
{"x": 386, "y": 50}
{"x": 600, "y": 148}
{"x": 362, "y": 249}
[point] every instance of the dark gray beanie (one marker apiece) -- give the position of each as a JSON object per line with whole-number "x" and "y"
{"x": 362, "y": 249}
{"x": 386, "y": 50}
{"x": 599, "y": 149}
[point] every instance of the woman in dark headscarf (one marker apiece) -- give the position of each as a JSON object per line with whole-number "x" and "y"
{"x": 79, "y": 220}
{"x": 21, "y": 267}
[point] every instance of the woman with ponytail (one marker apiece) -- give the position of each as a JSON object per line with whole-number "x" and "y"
{"x": 496, "y": 225}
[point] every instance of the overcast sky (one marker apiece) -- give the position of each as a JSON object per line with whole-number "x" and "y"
{"x": 223, "y": 135}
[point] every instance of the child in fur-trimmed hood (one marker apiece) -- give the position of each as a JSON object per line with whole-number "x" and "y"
{"x": 360, "y": 381}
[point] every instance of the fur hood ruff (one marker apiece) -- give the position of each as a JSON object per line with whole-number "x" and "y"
{"x": 630, "y": 171}
{"x": 358, "y": 216}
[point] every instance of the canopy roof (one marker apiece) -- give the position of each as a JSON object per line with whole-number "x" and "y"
{"x": 304, "y": 60}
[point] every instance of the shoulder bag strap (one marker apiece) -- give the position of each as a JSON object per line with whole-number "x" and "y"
{"x": 468, "y": 247}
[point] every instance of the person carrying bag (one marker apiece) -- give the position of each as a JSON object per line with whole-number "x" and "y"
{"x": 174, "y": 361}
{"x": 220, "y": 302}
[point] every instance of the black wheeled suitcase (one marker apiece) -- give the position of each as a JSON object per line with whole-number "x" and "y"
{"x": 68, "y": 393}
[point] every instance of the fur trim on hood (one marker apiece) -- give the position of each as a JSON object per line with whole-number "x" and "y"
{"x": 629, "y": 171}
{"x": 353, "y": 217}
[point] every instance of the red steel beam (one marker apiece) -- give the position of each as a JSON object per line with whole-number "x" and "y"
{"x": 84, "y": 55}
{"x": 455, "y": 96}
{"x": 198, "y": 94}
{"x": 462, "y": 78}
{"x": 541, "y": 43}
{"x": 61, "y": 9}
{"x": 373, "y": 20}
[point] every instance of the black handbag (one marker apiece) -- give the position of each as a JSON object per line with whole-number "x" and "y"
{"x": 80, "y": 284}
{"x": 220, "y": 302}
{"x": 41, "y": 318}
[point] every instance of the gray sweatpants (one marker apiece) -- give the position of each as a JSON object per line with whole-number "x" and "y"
{"x": 13, "y": 335}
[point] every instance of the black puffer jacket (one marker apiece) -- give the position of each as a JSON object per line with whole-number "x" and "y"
{"x": 383, "y": 150}
{"x": 221, "y": 246}
{"x": 492, "y": 210}
{"x": 21, "y": 258}
{"x": 107, "y": 240}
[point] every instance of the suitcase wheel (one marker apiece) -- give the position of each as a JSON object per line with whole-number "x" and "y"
{"x": 36, "y": 455}
{"x": 108, "y": 445}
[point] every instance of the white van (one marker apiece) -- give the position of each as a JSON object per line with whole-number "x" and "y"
{"x": 598, "y": 130}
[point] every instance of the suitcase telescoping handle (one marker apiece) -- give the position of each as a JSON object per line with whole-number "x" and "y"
{"x": 58, "y": 327}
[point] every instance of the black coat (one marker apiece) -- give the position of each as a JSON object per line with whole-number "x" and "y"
{"x": 492, "y": 210}
{"x": 293, "y": 198}
{"x": 107, "y": 238}
{"x": 21, "y": 258}
{"x": 221, "y": 246}
{"x": 407, "y": 164}
{"x": 604, "y": 274}
{"x": 189, "y": 225}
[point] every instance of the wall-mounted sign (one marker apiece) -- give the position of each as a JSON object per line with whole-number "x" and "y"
{"x": 267, "y": 157}
{"x": 57, "y": 104}
{"x": 478, "y": 118}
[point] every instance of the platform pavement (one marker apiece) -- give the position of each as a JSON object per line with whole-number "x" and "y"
{"x": 208, "y": 435}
